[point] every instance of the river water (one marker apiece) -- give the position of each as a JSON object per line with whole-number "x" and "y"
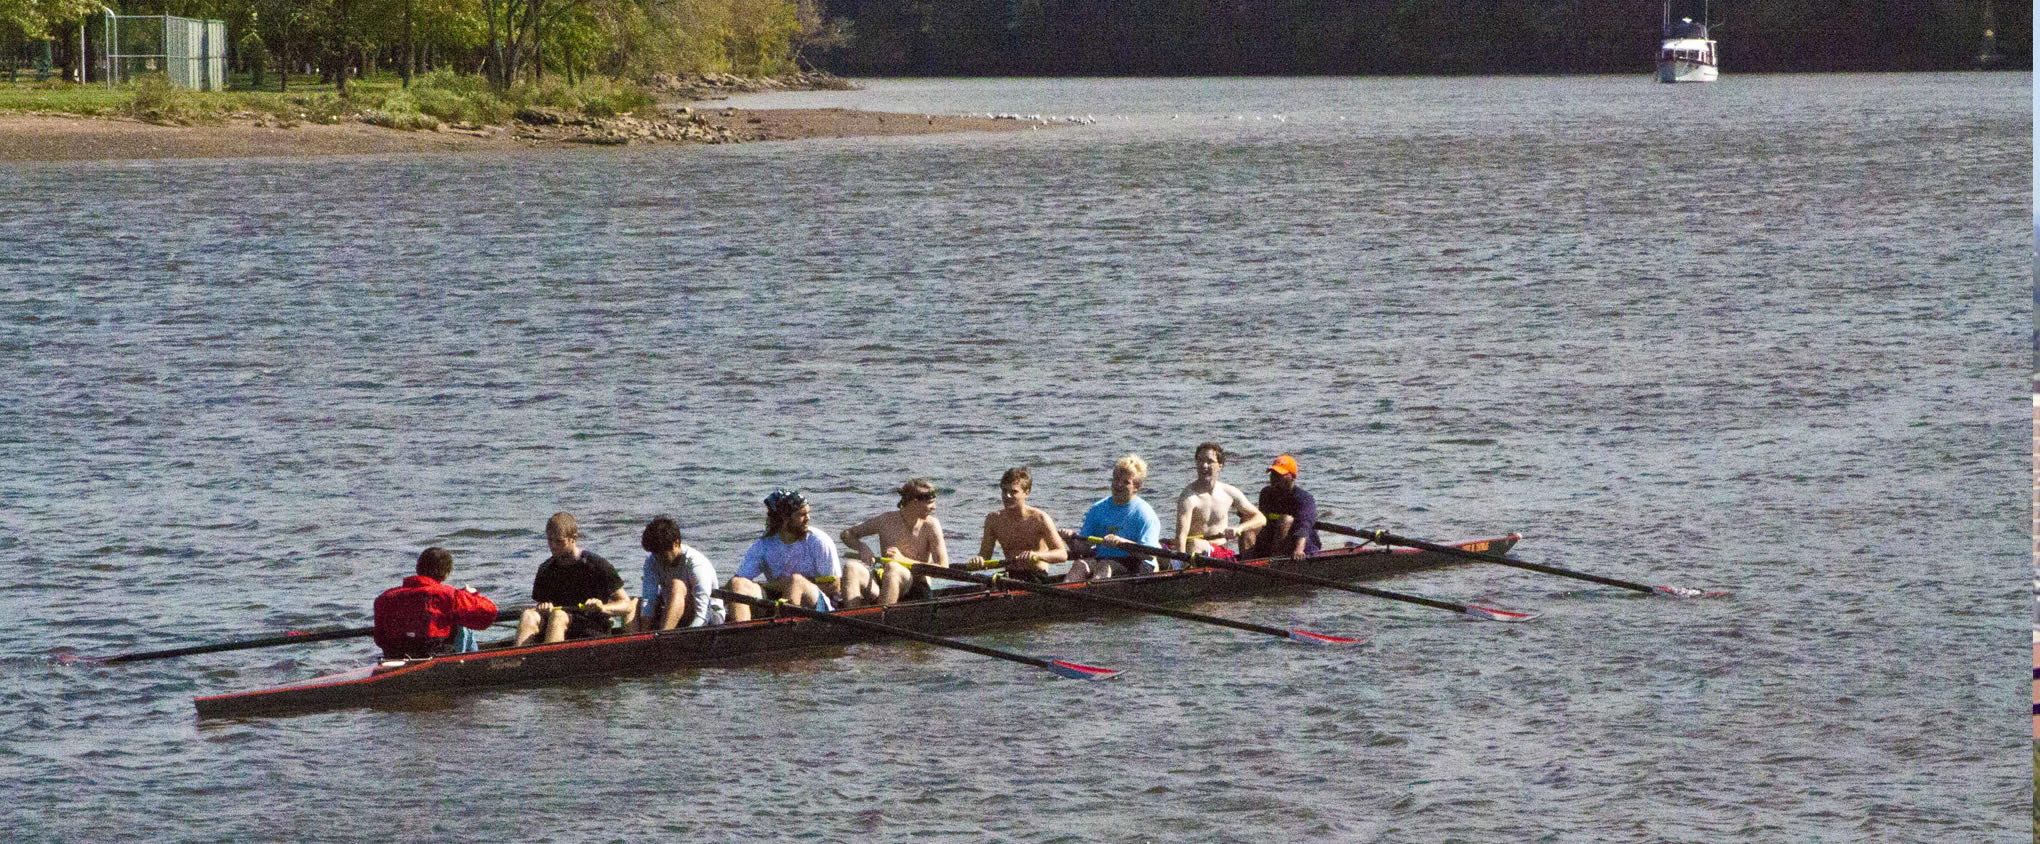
{"x": 1769, "y": 336}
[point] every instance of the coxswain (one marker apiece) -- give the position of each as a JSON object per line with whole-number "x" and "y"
{"x": 425, "y": 617}
{"x": 1025, "y": 534}
{"x": 1121, "y": 516}
{"x": 908, "y": 534}
{"x": 577, "y": 592}
{"x": 1204, "y": 509}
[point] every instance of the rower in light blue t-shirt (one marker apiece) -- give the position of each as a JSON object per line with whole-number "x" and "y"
{"x": 1134, "y": 521}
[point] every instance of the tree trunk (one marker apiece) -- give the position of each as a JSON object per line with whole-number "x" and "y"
{"x": 495, "y": 48}
{"x": 339, "y": 51}
{"x": 410, "y": 47}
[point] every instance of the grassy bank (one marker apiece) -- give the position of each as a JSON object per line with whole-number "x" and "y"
{"x": 431, "y": 101}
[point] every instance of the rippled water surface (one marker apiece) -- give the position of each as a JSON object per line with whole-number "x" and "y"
{"x": 1770, "y": 335}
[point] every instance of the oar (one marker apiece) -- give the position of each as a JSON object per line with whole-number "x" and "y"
{"x": 1055, "y": 666}
{"x": 998, "y": 582}
{"x": 1386, "y": 538}
{"x": 1474, "y": 610}
{"x": 286, "y": 639}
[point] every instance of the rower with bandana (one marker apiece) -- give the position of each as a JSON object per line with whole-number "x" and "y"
{"x": 796, "y": 562}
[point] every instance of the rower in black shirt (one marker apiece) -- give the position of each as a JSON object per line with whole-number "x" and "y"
{"x": 577, "y": 592}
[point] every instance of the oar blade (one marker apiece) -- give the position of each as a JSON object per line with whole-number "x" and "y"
{"x": 1310, "y": 638}
{"x": 1078, "y": 671}
{"x": 1684, "y": 592}
{"x": 1499, "y": 614}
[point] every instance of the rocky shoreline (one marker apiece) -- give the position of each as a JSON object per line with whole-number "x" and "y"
{"x": 681, "y": 119}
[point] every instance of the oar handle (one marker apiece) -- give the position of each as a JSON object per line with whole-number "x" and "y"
{"x": 982, "y": 565}
{"x": 1386, "y": 538}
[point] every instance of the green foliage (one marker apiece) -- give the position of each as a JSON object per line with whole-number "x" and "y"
{"x": 33, "y": 18}
{"x": 597, "y": 97}
{"x": 319, "y": 107}
{"x": 152, "y": 98}
{"x": 761, "y": 36}
{"x": 459, "y": 98}
{"x": 399, "y": 110}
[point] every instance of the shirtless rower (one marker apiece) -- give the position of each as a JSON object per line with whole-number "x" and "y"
{"x": 1026, "y": 534}
{"x": 1205, "y": 507}
{"x": 908, "y": 535}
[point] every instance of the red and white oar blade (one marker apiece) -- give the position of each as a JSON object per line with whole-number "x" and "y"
{"x": 1685, "y": 592}
{"x": 1075, "y": 671}
{"x": 1310, "y": 638}
{"x": 1499, "y": 614}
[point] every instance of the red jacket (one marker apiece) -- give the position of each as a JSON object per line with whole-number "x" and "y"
{"x": 423, "y": 611}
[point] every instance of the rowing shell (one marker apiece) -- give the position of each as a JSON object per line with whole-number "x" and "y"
{"x": 949, "y": 612}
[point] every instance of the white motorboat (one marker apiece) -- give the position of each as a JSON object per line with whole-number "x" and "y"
{"x": 1686, "y": 54}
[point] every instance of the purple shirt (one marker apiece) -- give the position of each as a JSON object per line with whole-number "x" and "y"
{"x": 1296, "y": 504}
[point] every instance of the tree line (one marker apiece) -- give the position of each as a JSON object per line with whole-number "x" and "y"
{"x": 506, "y": 41}
{"x": 513, "y": 41}
{"x": 1203, "y": 37}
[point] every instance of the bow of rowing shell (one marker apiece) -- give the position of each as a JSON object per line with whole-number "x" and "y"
{"x": 951, "y": 611}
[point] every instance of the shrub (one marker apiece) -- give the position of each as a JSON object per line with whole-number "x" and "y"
{"x": 154, "y": 99}
{"x": 458, "y": 99}
{"x": 593, "y": 97}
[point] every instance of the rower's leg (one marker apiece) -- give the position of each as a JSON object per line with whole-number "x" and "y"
{"x": 1275, "y": 537}
{"x": 556, "y": 626}
{"x": 802, "y": 591}
{"x": 895, "y": 584}
{"x": 527, "y": 626}
{"x": 858, "y": 586}
{"x": 740, "y": 612}
{"x": 1080, "y": 571}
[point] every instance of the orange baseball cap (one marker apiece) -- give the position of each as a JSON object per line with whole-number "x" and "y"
{"x": 1284, "y": 464}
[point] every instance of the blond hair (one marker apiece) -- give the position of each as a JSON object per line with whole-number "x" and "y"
{"x": 1132, "y": 463}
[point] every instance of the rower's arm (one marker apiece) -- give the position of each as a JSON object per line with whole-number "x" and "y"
{"x": 1251, "y": 517}
{"x": 618, "y": 603}
{"x": 938, "y": 547}
{"x": 1058, "y": 550}
{"x": 853, "y": 538}
{"x": 987, "y": 544}
{"x": 1183, "y": 521}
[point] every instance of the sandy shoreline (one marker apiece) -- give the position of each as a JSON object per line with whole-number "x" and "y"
{"x": 48, "y": 137}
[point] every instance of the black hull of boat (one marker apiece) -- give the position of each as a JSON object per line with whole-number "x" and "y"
{"x": 952, "y": 611}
